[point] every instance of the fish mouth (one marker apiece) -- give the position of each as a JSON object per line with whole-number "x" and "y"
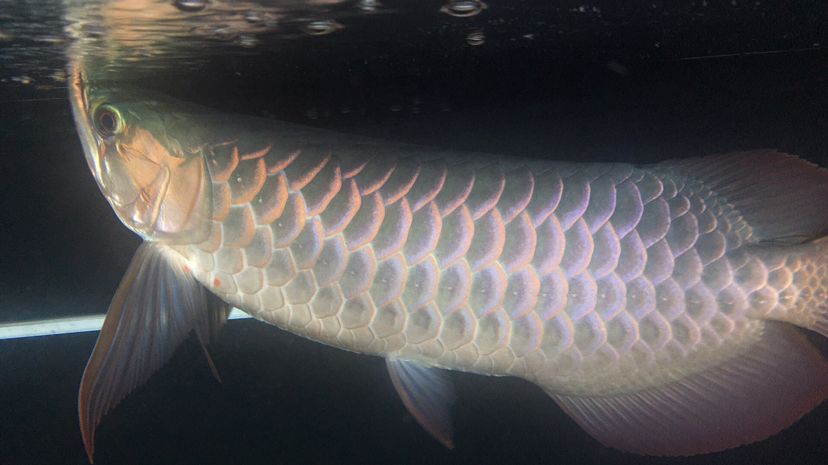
{"x": 80, "y": 112}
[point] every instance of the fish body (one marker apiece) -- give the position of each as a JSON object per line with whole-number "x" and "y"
{"x": 583, "y": 277}
{"x": 655, "y": 304}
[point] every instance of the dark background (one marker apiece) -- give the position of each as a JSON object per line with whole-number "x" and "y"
{"x": 640, "y": 83}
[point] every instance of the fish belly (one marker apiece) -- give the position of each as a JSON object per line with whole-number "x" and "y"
{"x": 585, "y": 278}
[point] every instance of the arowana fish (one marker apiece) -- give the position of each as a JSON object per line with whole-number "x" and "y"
{"x": 656, "y": 304}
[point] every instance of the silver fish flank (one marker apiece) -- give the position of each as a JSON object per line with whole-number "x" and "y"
{"x": 656, "y": 305}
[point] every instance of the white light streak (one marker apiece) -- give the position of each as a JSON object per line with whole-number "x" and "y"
{"x": 78, "y": 324}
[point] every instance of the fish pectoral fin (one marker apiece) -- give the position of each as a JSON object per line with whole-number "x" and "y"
{"x": 217, "y": 313}
{"x": 427, "y": 393}
{"x": 744, "y": 399}
{"x": 157, "y": 304}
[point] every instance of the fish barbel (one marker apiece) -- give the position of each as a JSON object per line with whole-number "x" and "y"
{"x": 655, "y": 304}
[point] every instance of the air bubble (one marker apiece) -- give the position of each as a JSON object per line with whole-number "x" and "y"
{"x": 463, "y": 8}
{"x": 369, "y": 6}
{"x": 59, "y": 75}
{"x": 476, "y": 38}
{"x": 190, "y": 6}
{"x": 25, "y": 80}
{"x": 322, "y": 27}
{"x": 253, "y": 17}
{"x": 93, "y": 30}
{"x": 248, "y": 41}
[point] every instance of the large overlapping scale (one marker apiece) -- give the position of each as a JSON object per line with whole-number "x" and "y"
{"x": 566, "y": 274}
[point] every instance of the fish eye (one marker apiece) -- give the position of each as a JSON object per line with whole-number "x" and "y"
{"x": 107, "y": 121}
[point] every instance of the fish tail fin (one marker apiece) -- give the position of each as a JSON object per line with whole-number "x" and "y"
{"x": 776, "y": 205}
{"x": 818, "y": 321}
{"x": 819, "y": 310}
{"x": 794, "y": 284}
{"x": 763, "y": 374}
{"x": 763, "y": 388}
{"x": 757, "y": 389}
{"x": 797, "y": 286}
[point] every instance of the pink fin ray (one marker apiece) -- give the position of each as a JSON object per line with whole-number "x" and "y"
{"x": 781, "y": 196}
{"x": 154, "y": 310}
{"x": 745, "y": 399}
{"x": 427, "y": 394}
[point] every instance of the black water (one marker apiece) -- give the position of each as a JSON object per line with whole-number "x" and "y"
{"x": 643, "y": 82}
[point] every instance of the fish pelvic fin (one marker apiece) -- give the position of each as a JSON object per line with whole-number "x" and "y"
{"x": 762, "y": 390}
{"x": 157, "y": 304}
{"x": 427, "y": 394}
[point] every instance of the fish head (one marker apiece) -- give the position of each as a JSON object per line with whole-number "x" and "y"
{"x": 156, "y": 182}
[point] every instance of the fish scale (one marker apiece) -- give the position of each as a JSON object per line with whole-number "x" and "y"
{"x": 565, "y": 274}
{"x": 654, "y": 304}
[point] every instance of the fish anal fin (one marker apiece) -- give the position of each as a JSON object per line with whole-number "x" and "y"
{"x": 746, "y": 399}
{"x": 780, "y": 196}
{"x": 155, "y": 308}
{"x": 427, "y": 394}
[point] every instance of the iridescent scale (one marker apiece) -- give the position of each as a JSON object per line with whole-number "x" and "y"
{"x": 565, "y": 274}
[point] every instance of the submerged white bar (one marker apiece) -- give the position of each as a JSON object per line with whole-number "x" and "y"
{"x": 79, "y": 324}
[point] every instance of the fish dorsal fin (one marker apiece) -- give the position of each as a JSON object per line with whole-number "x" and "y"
{"x": 745, "y": 399}
{"x": 427, "y": 394}
{"x": 780, "y": 196}
{"x": 155, "y": 308}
